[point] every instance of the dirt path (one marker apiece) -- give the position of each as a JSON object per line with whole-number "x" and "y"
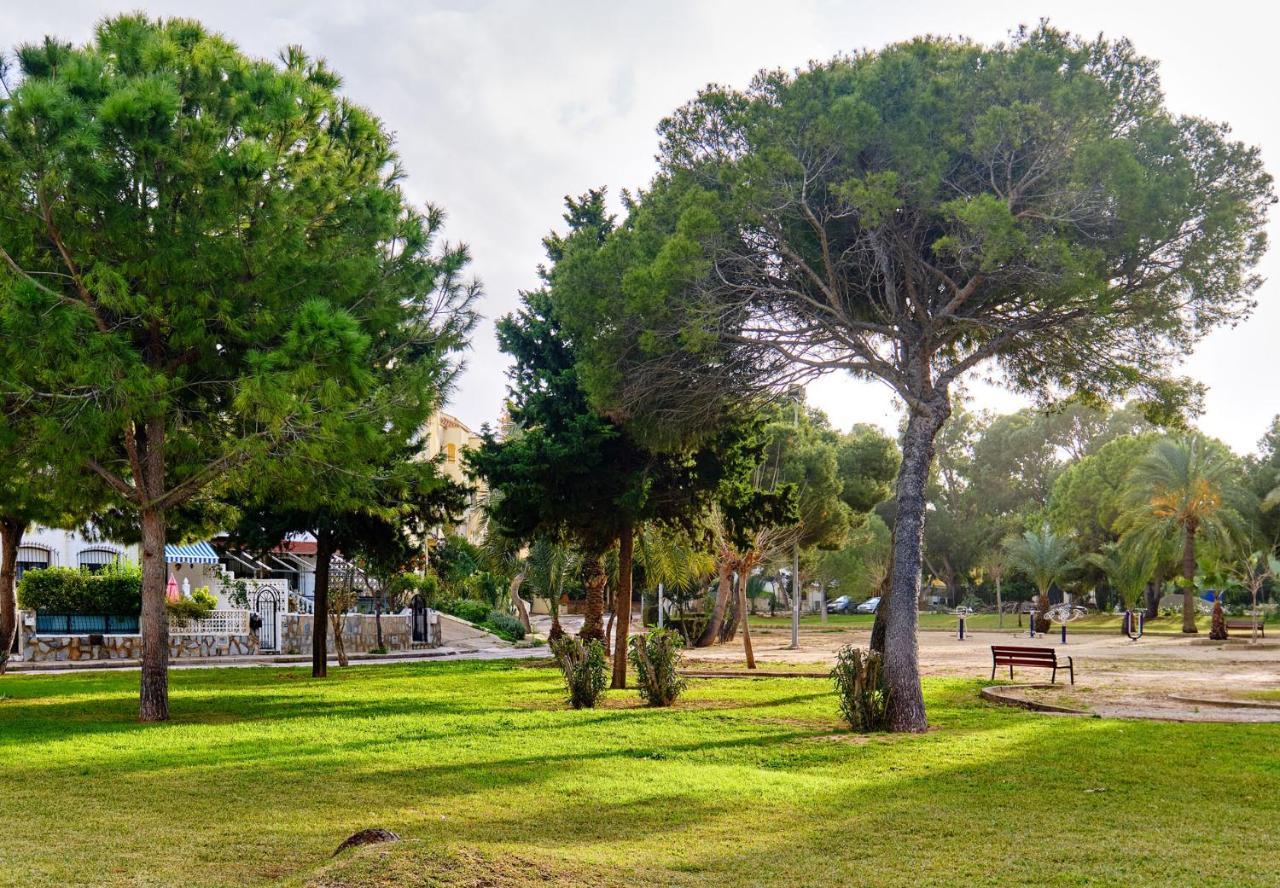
{"x": 1114, "y": 676}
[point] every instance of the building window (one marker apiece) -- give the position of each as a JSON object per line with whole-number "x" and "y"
{"x": 31, "y": 558}
{"x": 451, "y": 452}
{"x": 94, "y": 560}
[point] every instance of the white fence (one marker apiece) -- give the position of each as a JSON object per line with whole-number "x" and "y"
{"x": 220, "y": 622}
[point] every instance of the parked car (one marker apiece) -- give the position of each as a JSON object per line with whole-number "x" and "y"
{"x": 869, "y": 606}
{"x": 841, "y": 605}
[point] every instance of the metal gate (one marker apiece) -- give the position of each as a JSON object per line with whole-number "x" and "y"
{"x": 266, "y": 604}
{"x": 420, "y": 626}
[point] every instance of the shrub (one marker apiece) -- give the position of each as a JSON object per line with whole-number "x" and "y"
{"x": 205, "y": 597}
{"x": 656, "y": 657}
{"x": 504, "y": 626}
{"x": 583, "y": 669}
{"x": 859, "y": 678}
{"x": 117, "y": 590}
{"x": 189, "y": 608}
{"x": 471, "y": 611}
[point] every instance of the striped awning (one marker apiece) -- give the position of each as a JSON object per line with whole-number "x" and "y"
{"x": 192, "y": 553}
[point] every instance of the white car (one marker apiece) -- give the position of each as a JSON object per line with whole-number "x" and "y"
{"x": 869, "y": 606}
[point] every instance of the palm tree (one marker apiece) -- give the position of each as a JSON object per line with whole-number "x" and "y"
{"x": 548, "y": 564}
{"x": 1184, "y": 487}
{"x": 1128, "y": 569}
{"x": 1272, "y": 499}
{"x": 1045, "y": 558}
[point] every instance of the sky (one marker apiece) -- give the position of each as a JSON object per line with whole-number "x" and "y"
{"x": 503, "y": 108}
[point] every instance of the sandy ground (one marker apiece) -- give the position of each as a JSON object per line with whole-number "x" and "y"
{"x": 1115, "y": 677}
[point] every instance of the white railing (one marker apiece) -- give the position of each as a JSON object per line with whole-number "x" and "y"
{"x": 220, "y": 622}
{"x": 303, "y": 605}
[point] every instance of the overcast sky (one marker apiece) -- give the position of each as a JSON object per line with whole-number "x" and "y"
{"x": 502, "y": 108}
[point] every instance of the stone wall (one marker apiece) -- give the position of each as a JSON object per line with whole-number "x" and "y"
{"x": 46, "y": 648}
{"x": 359, "y": 633}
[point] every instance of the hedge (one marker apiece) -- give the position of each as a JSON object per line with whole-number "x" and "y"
{"x": 117, "y": 590}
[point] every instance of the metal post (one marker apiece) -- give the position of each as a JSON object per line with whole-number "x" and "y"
{"x": 961, "y": 627}
{"x": 660, "y": 620}
{"x": 795, "y": 597}
{"x": 1064, "y": 632}
{"x": 1032, "y": 621}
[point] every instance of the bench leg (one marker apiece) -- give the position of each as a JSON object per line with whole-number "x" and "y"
{"x": 993, "y": 671}
{"x": 1071, "y": 666}
{"x": 1053, "y": 679}
{"x": 1010, "y": 672}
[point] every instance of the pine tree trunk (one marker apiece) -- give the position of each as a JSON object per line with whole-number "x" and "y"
{"x": 1189, "y": 575}
{"x": 711, "y": 634}
{"x": 319, "y": 625}
{"x": 882, "y": 609}
{"x": 622, "y": 608}
{"x": 11, "y": 531}
{"x": 377, "y": 620}
{"x": 154, "y": 691}
{"x": 595, "y": 579}
{"x": 905, "y": 710}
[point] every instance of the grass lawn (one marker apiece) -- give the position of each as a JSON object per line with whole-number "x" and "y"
{"x": 491, "y": 780}
{"x": 1105, "y": 623}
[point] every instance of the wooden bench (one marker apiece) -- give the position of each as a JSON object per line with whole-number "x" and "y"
{"x": 1245, "y": 624}
{"x": 1045, "y": 658}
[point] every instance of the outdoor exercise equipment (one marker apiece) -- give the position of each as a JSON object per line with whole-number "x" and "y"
{"x": 1135, "y": 623}
{"x": 962, "y": 613}
{"x": 1065, "y": 613}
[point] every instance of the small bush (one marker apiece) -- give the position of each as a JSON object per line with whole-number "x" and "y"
{"x": 583, "y": 669}
{"x": 189, "y": 608}
{"x": 656, "y": 657}
{"x": 504, "y": 626}
{"x": 471, "y": 611}
{"x": 859, "y": 678}
{"x": 117, "y": 590}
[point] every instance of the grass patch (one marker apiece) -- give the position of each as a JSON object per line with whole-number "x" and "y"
{"x": 491, "y": 780}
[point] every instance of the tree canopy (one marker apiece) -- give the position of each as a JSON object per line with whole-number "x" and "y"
{"x": 203, "y": 253}
{"x": 913, "y": 213}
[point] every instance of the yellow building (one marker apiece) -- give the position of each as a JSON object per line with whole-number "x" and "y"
{"x": 451, "y": 437}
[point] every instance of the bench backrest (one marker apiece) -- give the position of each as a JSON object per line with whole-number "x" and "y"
{"x": 1024, "y": 656}
{"x": 1242, "y": 623}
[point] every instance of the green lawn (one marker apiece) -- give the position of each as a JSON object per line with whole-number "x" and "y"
{"x": 492, "y": 780}
{"x": 1107, "y": 623}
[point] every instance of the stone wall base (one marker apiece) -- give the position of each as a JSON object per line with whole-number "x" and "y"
{"x": 359, "y": 633}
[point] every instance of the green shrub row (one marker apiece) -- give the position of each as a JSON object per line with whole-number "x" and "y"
{"x": 500, "y": 624}
{"x": 116, "y": 590}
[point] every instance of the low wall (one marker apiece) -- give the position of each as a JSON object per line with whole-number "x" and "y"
{"x": 359, "y": 633}
{"x": 53, "y": 648}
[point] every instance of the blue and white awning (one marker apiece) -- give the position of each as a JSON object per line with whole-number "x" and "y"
{"x": 192, "y": 553}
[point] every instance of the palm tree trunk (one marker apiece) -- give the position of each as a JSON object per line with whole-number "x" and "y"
{"x": 521, "y": 611}
{"x": 711, "y": 634}
{"x": 1189, "y": 575}
{"x": 746, "y": 623}
{"x": 595, "y": 579}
